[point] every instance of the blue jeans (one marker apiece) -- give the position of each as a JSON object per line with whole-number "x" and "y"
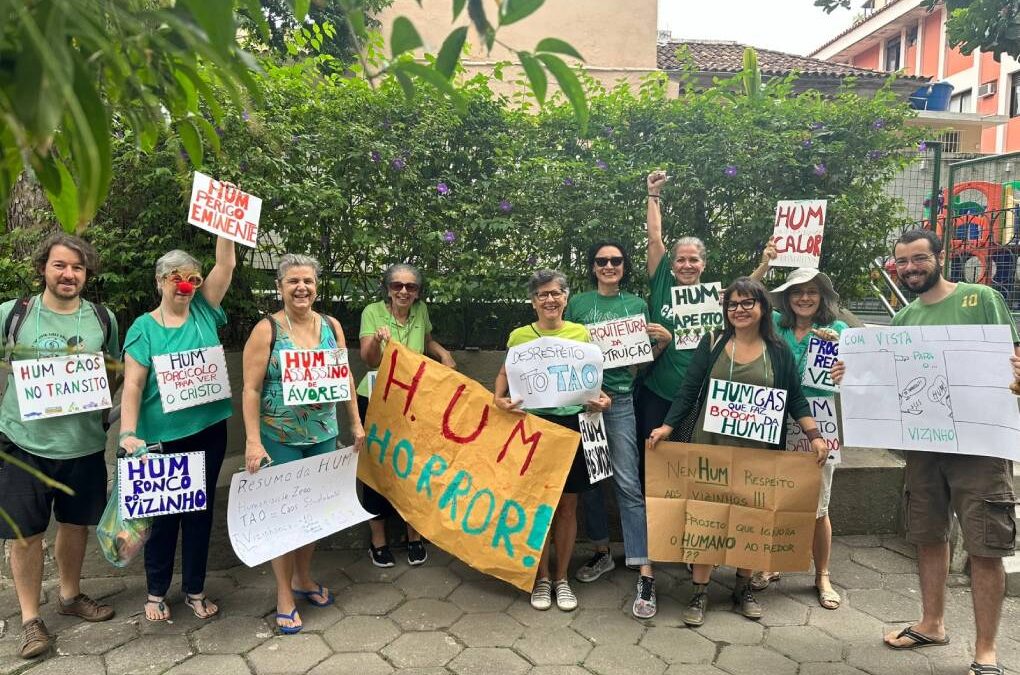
{"x": 621, "y": 431}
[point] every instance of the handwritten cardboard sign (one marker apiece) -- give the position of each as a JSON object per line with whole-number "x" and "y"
{"x": 624, "y": 342}
{"x": 281, "y": 508}
{"x": 935, "y": 388}
{"x": 799, "y": 228}
{"x": 158, "y": 485}
{"x": 479, "y": 482}
{"x": 745, "y": 410}
{"x": 551, "y": 372}
{"x": 60, "y": 385}
{"x": 720, "y": 505}
{"x": 312, "y": 376}
{"x": 194, "y": 377}
{"x": 595, "y": 444}
{"x": 697, "y": 310}
{"x": 224, "y": 210}
{"x": 823, "y": 410}
{"x": 818, "y": 361}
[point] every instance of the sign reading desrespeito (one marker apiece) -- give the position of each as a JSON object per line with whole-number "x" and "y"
{"x": 595, "y": 444}
{"x": 745, "y": 410}
{"x": 818, "y": 361}
{"x": 823, "y": 410}
{"x": 799, "y": 228}
{"x": 720, "y": 505}
{"x": 61, "y": 385}
{"x": 624, "y": 342}
{"x": 224, "y": 210}
{"x": 158, "y": 484}
{"x": 551, "y": 372}
{"x": 697, "y": 310}
{"x": 312, "y": 376}
{"x": 190, "y": 378}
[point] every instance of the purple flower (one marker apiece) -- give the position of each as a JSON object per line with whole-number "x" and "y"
{"x": 878, "y": 124}
{"x": 816, "y": 126}
{"x": 599, "y": 164}
{"x": 375, "y": 156}
{"x": 245, "y": 116}
{"x": 505, "y": 206}
{"x": 568, "y": 182}
{"x": 607, "y": 131}
{"x": 443, "y": 189}
{"x": 922, "y": 147}
{"x": 808, "y": 143}
{"x": 532, "y": 261}
{"x": 876, "y": 154}
{"x": 398, "y": 163}
{"x": 449, "y": 237}
{"x": 820, "y": 170}
{"x": 730, "y": 170}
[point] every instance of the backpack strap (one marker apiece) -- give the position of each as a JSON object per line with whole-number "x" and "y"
{"x": 332, "y": 328}
{"x": 103, "y": 317}
{"x": 12, "y": 326}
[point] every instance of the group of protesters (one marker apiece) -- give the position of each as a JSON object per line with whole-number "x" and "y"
{"x": 764, "y": 342}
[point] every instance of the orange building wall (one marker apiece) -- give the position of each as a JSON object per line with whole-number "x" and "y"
{"x": 910, "y": 59}
{"x": 931, "y": 32}
{"x": 868, "y": 58}
{"x": 957, "y": 62}
{"x": 988, "y": 140}
{"x": 1012, "y": 143}
{"x": 988, "y": 105}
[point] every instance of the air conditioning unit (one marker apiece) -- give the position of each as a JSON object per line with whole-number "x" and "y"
{"x": 988, "y": 89}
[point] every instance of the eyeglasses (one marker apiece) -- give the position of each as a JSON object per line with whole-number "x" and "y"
{"x": 747, "y": 304}
{"x": 397, "y": 286}
{"x": 615, "y": 261}
{"x": 916, "y": 260}
{"x": 805, "y": 293}
{"x": 545, "y": 295}
{"x": 193, "y": 279}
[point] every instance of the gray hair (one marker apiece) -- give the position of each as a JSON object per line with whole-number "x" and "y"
{"x": 691, "y": 241}
{"x": 296, "y": 260}
{"x": 394, "y": 270}
{"x": 544, "y": 276}
{"x": 175, "y": 260}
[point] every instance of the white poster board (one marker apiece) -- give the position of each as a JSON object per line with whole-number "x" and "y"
{"x": 697, "y": 310}
{"x": 823, "y": 410}
{"x": 595, "y": 444}
{"x": 936, "y": 388}
{"x": 798, "y": 232}
{"x": 194, "y": 377}
{"x": 158, "y": 485}
{"x": 61, "y": 385}
{"x": 312, "y": 376}
{"x": 551, "y": 372}
{"x": 224, "y": 209}
{"x": 284, "y": 507}
{"x": 818, "y": 361}
{"x": 624, "y": 342}
{"x": 744, "y": 410}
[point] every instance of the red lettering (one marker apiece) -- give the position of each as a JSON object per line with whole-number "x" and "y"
{"x": 411, "y": 388}
{"x": 533, "y": 439}
{"x": 449, "y": 433}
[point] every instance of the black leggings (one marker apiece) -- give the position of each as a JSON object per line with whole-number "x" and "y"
{"x": 372, "y": 501}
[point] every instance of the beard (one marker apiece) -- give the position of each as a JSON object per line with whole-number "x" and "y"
{"x": 60, "y": 292}
{"x": 926, "y": 283}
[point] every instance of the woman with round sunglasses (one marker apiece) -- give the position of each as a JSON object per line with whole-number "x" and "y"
{"x": 188, "y": 317}
{"x": 400, "y": 316}
{"x": 748, "y": 351}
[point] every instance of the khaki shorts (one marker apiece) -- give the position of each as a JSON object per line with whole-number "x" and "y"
{"x": 978, "y": 489}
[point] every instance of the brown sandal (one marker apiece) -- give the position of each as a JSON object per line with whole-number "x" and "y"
{"x": 828, "y": 599}
{"x": 199, "y": 604}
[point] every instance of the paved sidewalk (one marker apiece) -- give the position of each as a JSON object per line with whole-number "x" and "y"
{"x": 447, "y": 618}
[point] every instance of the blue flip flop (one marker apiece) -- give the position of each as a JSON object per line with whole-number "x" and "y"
{"x": 308, "y": 596}
{"x": 288, "y": 630}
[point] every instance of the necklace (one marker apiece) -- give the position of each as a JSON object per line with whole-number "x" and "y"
{"x": 401, "y": 331}
{"x": 293, "y": 336}
{"x": 764, "y": 355}
{"x": 77, "y": 329}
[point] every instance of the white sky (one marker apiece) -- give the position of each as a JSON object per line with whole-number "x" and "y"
{"x": 793, "y": 26}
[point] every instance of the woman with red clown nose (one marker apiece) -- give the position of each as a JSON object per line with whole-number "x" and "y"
{"x": 183, "y": 416}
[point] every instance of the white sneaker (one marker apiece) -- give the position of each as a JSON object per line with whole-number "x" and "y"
{"x": 541, "y": 595}
{"x": 565, "y": 598}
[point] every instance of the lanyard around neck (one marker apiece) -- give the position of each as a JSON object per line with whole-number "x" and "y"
{"x": 764, "y": 354}
{"x": 38, "y": 315}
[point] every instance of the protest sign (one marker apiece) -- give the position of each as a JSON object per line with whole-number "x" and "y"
{"x": 477, "y": 481}
{"x": 223, "y": 209}
{"x": 624, "y": 342}
{"x": 311, "y": 376}
{"x": 370, "y": 376}
{"x": 719, "y": 505}
{"x": 595, "y": 445}
{"x": 823, "y": 410}
{"x": 936, "y": 388}
{"x": 281, "y": 508}
{"x": 821, "y": 355}
{"x": 744, "y": 410}
{"x": 551, "y": 372}
{"x": 158, "y": 484}
{"x": 194, "y": 377}
{"x": 60, "y": 385}
{"x": 697, "y": 310}
{"x": 799, "y": 228}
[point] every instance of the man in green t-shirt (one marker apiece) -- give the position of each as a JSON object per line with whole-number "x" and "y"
{"x": 977, "y": 487}
{"x": 68, "y": 448}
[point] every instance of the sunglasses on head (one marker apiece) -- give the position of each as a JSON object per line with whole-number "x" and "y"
{"x": 193, "y": 279}
{"x": 397, "y": 286}
{"x": 615, "y": 261}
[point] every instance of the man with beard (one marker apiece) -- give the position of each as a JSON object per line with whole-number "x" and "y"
{"x": 978, "y": 488}
{"x": 68, "y": 449}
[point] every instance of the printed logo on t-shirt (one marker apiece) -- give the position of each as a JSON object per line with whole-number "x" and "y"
{"x": 55, "y": 344}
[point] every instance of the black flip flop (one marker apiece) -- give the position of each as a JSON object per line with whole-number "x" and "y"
{"x": 986, "y": 669}
{"x": 919, "y": 640}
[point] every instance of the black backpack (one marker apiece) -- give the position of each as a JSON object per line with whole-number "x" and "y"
{"x": 22, "y": 308}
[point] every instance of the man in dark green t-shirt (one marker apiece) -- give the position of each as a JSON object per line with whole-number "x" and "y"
{"x": 67, "y": 448}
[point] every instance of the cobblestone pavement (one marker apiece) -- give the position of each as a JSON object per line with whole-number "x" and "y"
{"x": 448, "y": 618}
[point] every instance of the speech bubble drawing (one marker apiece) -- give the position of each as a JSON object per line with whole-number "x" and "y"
{"x": 914, "y": 387}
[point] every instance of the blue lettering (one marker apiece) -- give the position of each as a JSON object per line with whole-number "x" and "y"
{"x": 405, "y": 449}
{"x": 454, "y": 490}
{"x": 383, "y": 443}
{"x": 435, "y": 466}
{"x": 488, "y": 515}
{"x": 561, "y": 384}
{"x": 504, "y": 528}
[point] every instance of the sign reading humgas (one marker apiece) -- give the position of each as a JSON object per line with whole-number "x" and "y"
{"x": 799, "y": 228}
{"x": 595, "y": 444}
{"x": 60, "y": 385}
{"x": 624, "y": 342}
{"x": 745, "y": 410}
{"x": 194, "y": 377}
{"x": 223, "y": 209}
{"x": 477, "y": 481}
{"x": 720, "y": 505}
{"x": 551, "y": 372}
{"x": 823, "y": 410}
{"x": 697, "y": 310}
{"x": 311, "y": 376}
{"x": 158, "y": 485}
{"x": 818, "y": 361}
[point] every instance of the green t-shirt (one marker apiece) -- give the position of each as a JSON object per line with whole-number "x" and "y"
{"x": 666, "y": 374}
{"x": 589, "y": 308}
{"x": 145, "y": 339}
{"x": 412, "y": 334}
{"x": 799, "y": 349}
{"x": 968, "y": 304}
{"x": 568, "y": 331}
{"x": 45, "y": 333}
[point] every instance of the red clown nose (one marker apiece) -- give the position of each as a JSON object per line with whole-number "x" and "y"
{"x": 185, "y": 287}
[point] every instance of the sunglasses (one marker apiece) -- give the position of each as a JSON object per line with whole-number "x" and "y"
{"x": 746, "y": 304}
{"x": 615, "y": 261}
{"x": 397, "y": 286}
{"x": 193, "y": 279}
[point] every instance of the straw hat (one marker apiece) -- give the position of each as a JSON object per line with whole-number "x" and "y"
{"x": 802, "y": 275}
